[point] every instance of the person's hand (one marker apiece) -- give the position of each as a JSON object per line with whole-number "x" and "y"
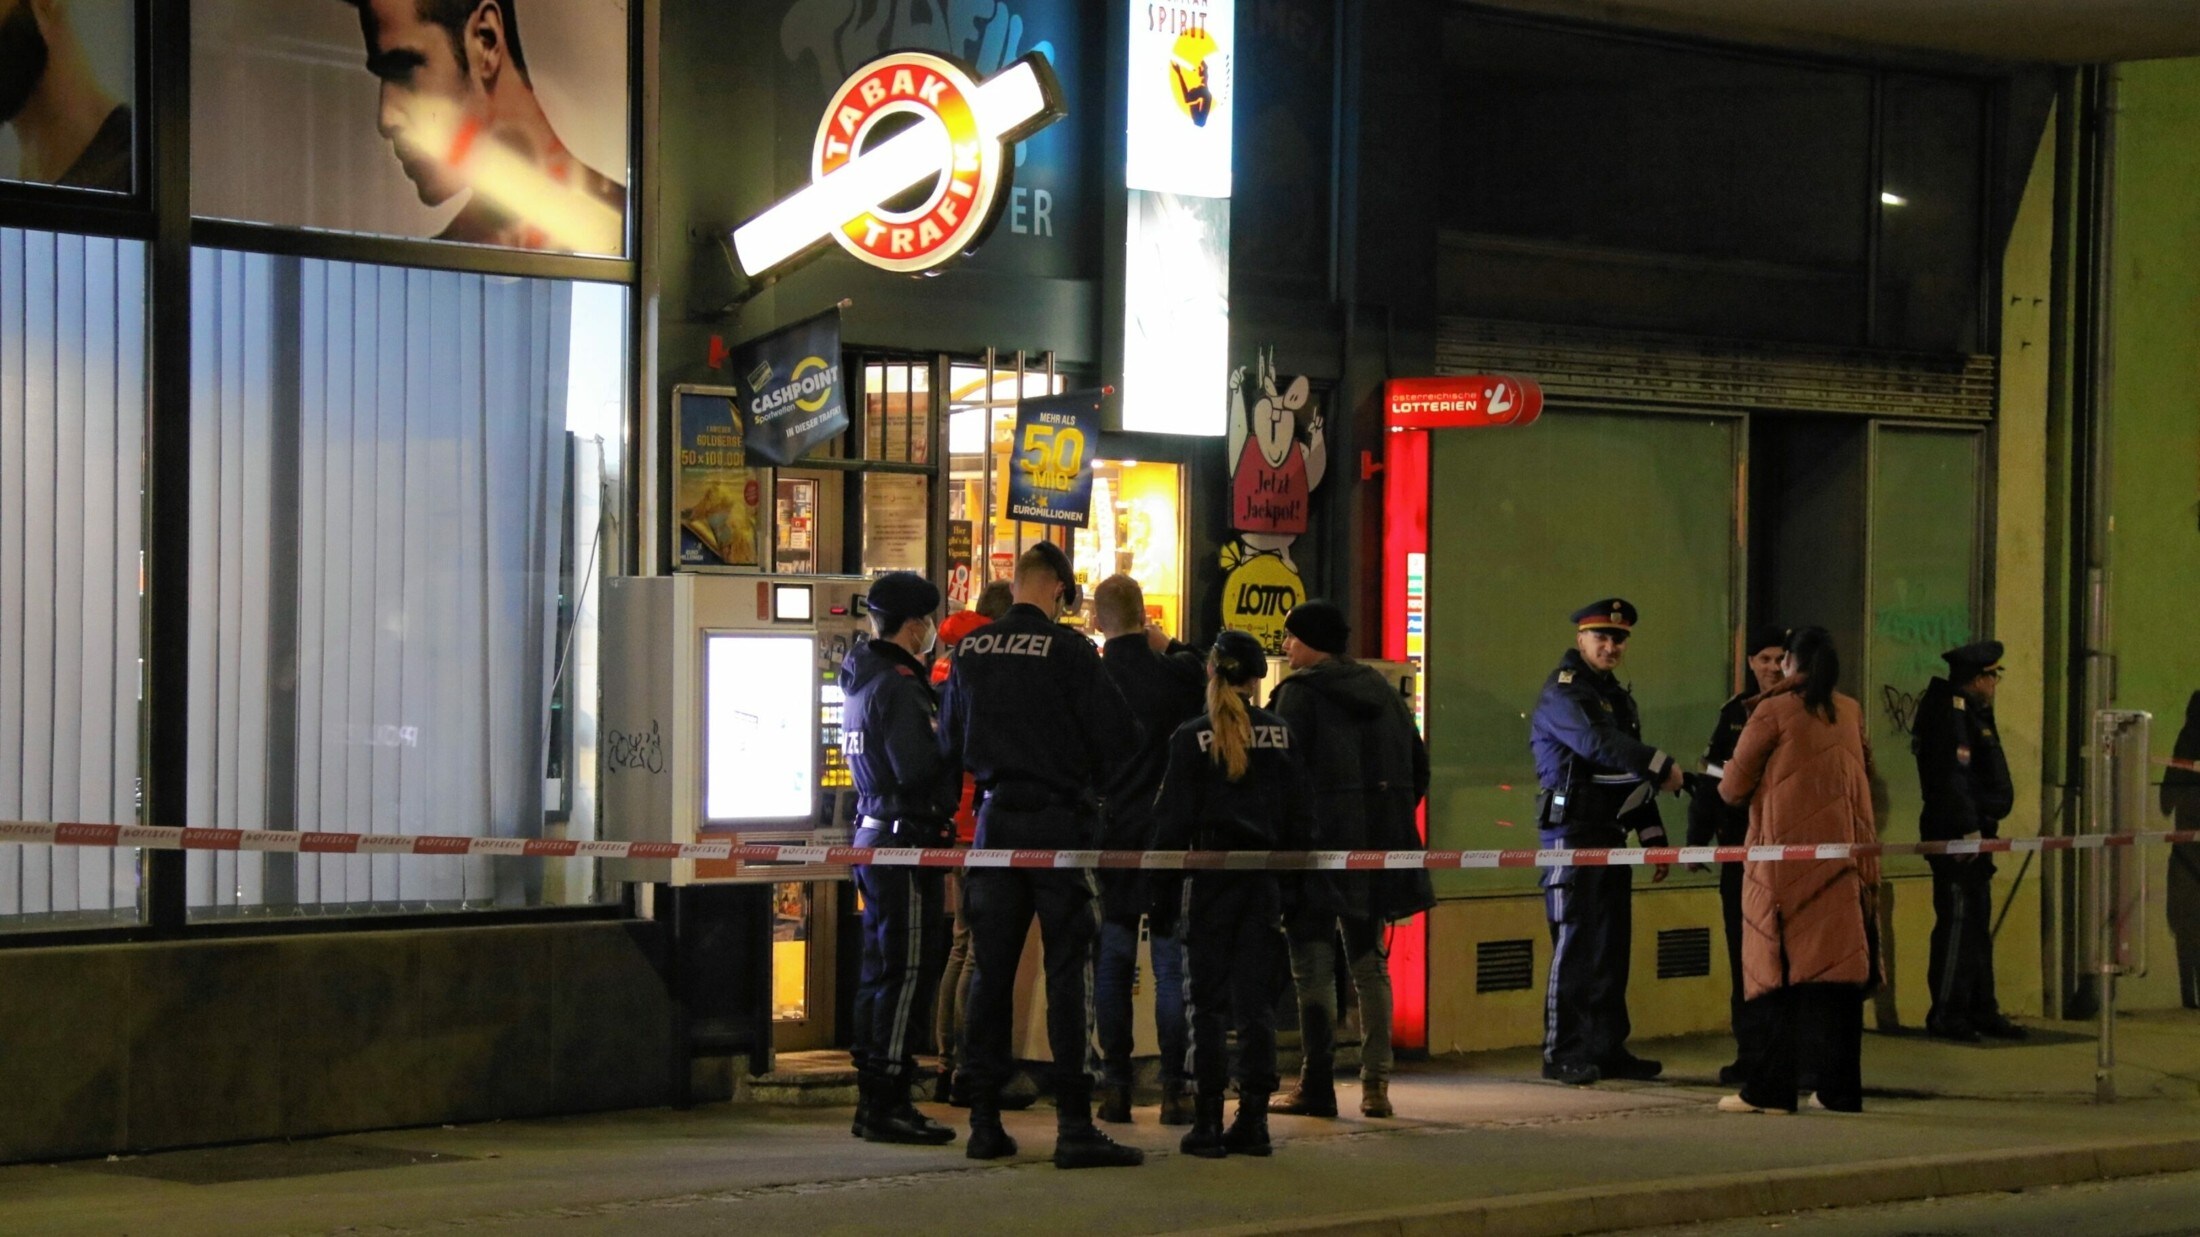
{"x": 1672, "y": 782}
{"x": 1659, "y": 871}
{"x": 1157, "y": 639}
{"x": 1973, "y": 836}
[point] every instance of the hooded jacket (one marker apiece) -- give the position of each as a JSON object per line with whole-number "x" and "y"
{"x": 887, "y": 733}
{"x": 1960, "y": 766}
{"x": 1366, "y": 771}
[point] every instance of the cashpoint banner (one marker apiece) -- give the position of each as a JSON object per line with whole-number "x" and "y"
{"x": 791, "y": 389}
{"x": 1052, "y": 480}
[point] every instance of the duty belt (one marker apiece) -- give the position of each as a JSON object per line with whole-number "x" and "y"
{"x": 897, "y": 827}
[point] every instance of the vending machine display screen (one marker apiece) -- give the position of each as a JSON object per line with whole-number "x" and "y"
{"x": 760, "y": 724}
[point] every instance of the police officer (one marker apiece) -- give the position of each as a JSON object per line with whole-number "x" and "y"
{"x": 1965, "y": 781}
{"x": 1232, "y": 784}
{"x": 905, "y": 795}
{"x": 1599, "y": 781}
{"x": 1033, "y": 717}
{"x": 1711, "y": 822}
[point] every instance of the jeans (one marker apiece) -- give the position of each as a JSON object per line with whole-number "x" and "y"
{"x": 1115, "y": 974}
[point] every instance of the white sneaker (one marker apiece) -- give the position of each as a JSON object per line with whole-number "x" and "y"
{"x": 1735, "y": 1103}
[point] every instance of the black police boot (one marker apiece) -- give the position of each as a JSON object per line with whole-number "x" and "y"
{"x": 1316, "y": 1092}
{"x": 1176, "y": 1104}
{"x": 1248, "y": 1132}
{"x": 988, "y": 1141}
{"x": 1572, "y": 1073}
{"x": 1115, "y": 1103}
{"x": 1625, "y": 1064}
{"x": 1078, "y": 1143}
{"x": 1206, "y": 1138}
{"x": 893, "y": 1119}
{"x": 866, "y": 1098}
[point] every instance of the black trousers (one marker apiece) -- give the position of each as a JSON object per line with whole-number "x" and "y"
{"x": 1814, "y": 1029}
{"x": 1961, "y": 970}
{"x": 1591, "y": 913}
{"x": 904, "y": 951}
{"x": 1236, "y": 968}
{"x": 1745, "y": 1016}
{"x": 1000, "y": 904}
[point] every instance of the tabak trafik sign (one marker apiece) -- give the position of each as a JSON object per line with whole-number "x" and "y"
{"x": 957, "y": 135}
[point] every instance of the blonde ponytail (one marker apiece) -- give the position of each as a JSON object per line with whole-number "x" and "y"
{"x": 1233, "y": 727}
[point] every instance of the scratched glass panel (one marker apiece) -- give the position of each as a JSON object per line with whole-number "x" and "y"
{"x": 1525, "y": 526}
{"x": 1924, "y": 552}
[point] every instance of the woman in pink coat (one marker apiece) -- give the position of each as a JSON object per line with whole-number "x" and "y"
{"x": 1809, "y": 953}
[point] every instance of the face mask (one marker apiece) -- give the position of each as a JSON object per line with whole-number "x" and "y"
{"x": 931, "y": 638}
{"x": 22, "y": 60}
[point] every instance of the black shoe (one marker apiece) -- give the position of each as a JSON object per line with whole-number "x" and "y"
{"x": 1732, "y": 1075}
{"x": 988, "y": 1141}
{"x": 1313, "y": 1097}
{"x": 1631, "y": 1067}
{"x": 1999, "y": 1027}
{"x": 1115, "y": 1103}
{"x": 1953, "y": 1032}
{"x": 1087, "y": 1147}
{"x": 1572, "y": 1073}
{"x": 904, "y": 1124}
{"x": 1248, "y": 1132}
{"x": 1176, "y": 1104}
{"x": 1206, "y": 1139}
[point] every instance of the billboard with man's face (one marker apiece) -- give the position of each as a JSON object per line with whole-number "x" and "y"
{"x": 487, "y": 122}
{"x": 68, "y": 78}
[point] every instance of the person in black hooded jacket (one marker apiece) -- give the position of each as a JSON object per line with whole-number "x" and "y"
{"x": 2181, "y": 899}
{"x": 1367, "y": 772}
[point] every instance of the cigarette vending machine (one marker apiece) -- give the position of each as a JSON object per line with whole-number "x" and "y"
{"x": 722, "y": 712}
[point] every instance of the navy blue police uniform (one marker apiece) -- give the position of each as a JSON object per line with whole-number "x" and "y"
{"x": 906, "y": 795}
{"x": 1714, "y": 822}
{"x": 1599, "y": 782}
{"x": 1232, "y": 922}
{"x": 1964, "y": 777}
{"x": 1039, "y": 725}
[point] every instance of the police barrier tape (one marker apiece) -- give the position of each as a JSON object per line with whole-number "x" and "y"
{"x": 287, "y": 842}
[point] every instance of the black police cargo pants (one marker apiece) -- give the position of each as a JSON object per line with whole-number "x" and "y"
{"x": 1000, "y": 904}
{"x": 1961, "y": 970}
{"x": 1237, "y": 965}
{"x": 904, "y": 951}
{"x": 1591, "y": 914}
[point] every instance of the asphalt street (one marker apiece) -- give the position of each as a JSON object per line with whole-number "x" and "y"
{"x": 2166, "y": 1206}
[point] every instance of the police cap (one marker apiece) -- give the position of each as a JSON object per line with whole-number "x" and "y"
{"x": 901, "y": 595}
{"x": 1972, "y": 660}
{"x": 1238, "y": 657}
{"x": 1612, "y": 614}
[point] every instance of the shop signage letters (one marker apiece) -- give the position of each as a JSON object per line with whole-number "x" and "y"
{"x": 961, "y": 142}
{"x": 1471, "y": 401}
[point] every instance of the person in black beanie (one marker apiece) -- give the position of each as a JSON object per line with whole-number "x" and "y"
{"x": 1712, "y": 823}
{"x": 1366, "y": 772}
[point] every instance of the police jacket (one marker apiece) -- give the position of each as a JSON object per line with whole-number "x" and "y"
{"x": 1586, "y": 736}
{"x": 1960, "y": 767}
{"x": 1366, "y": 774}
{"x": 1710, "y": 820}
{"x": 888, "y": 736}
{"x": 1200, "y": 808}
{"x": 1029, "y": 711}
{"x": 1163, "y": 690}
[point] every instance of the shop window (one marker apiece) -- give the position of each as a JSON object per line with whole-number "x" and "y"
{"x": 72, "y": 412}
{"x": 394, "y": 570}
{"x": 1137, "y": 512}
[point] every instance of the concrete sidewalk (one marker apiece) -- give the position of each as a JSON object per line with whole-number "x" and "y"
{"x": 1482, "y": 1148}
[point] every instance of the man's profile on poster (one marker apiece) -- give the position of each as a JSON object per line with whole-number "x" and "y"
{"x": 459, "y": 110}
{"x": 71, "y": 129}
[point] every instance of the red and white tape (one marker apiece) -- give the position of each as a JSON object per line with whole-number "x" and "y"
{"x": 287, "y": 842}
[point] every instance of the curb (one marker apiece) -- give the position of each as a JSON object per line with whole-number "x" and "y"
{"x": 1737, "y": 1196}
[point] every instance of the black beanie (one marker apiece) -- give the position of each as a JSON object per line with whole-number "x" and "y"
{"x": 1320, "y": 624}
{"x": 1762, "y": 638}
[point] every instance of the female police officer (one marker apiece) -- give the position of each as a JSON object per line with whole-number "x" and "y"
{"x": 1232, "y": 784}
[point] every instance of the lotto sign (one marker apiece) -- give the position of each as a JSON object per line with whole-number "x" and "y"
{"x": 958, "y": 143}
{"x": 1051, "y": 481}
{"x": 1471, "y": 401}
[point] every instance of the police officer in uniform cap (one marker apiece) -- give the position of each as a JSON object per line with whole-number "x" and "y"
{"x": 1965, "y": 781}
{"x": 1232, "y": 783}
{"x": 1035, "y": 719}
{"x": 1599, "y": 780}
{"x": 905, "y": 795}
{"x": 1712, "y": 822}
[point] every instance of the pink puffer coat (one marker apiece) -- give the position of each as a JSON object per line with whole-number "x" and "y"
{"x": 1806, "y": 780}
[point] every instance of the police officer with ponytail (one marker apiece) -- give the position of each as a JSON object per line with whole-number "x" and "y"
{"x": 906, "y": 795}
{"x": 1232, "y": 784}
